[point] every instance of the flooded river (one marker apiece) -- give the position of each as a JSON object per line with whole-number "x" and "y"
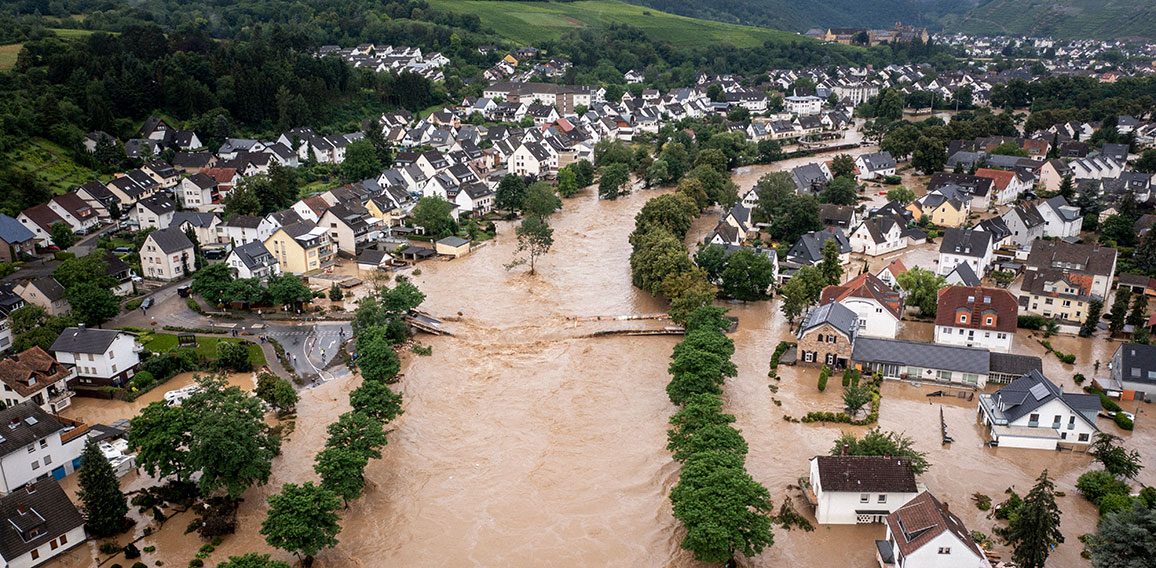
{"x": 525, "y": 443}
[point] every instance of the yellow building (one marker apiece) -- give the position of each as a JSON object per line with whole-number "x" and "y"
{"x": 301, "y": 247}
{"x": 384, "y": 209}
{"x": 946, "y": 213}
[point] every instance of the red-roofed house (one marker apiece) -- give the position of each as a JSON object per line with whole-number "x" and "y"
{"x": 37, "y": 376}
{"x": 923, "y": 533}
{"x": 1005, "y": 185}
{"x": 892, "y": 271}
{"x": 976, "y": 317}
{"x": 878, "y": 306}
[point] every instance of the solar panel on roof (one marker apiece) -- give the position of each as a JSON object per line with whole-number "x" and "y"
{"x": 1039, "y": 391}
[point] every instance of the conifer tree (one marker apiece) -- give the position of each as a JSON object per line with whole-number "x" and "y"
{"x": 100, "y": 493}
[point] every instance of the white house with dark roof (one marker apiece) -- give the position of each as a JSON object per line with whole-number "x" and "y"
{"x": 34, "y": 445}
{"x": 252, "y": 260}
{"x": 41, "y": 524}
{"x": 101, "y": 357}
{"x": 849, "y": 490}
{"x": 153, "y": 212}
{"x": 75, "y": 211}
{"x": 45, "y": 292}
{"x": 203, "y": 225}
{"x": 1133, "y": 371}
{"x": 964, "y": 246}
{"x": 197, "y": 191}
{"x": 1032, "y": 412}
{"x": 924, "y": 533}
{"x": 167, "y": 255}
{"x": 875, "y": 165}
{"x": 1060, "y": 219}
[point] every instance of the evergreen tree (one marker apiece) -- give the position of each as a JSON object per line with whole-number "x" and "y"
{"x": 1144, "y": 257}
{"x": 100, "y": 493}
{"x": 1037, "y": 528}
{"x": 1068, "y": 188}
{"x": 831, "y": 268}
{"x": 1095, "y": 308}
{"x": 1120, "y": 309}
{"x": 1138, "y": 315}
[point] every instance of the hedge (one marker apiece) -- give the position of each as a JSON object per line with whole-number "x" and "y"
{"x": 1031, "y": 322}
{"x": 823, "y": 375}
{"x": 215, "y": 330}
{"x": 1123, "y": 421}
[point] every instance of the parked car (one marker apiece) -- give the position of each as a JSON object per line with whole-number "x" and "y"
{"x": 215, "y": 254}
{"x": 122, "y": 250}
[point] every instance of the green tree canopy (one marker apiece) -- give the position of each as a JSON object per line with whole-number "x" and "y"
{"x": 535, "y": 237}
{"x": 342, "y": 471}
{"x": 375, "y": 355}
{"x": 540, "y": 200}
{"x": 92, "y": 303}
{"x": 722, "y": 507}
{"x": 614, "y": 177}
{"x": 433, "y": 214}
{"x": 302, "y": 519}
{"x": 252, "y": 560}
{"x": 1116, "y": 459}
{"x": 376, "y": 400}
{"x": 361, "y": 161}
{"x": 922, "y": 287}
{"x": 1125, "y": 538}
{"x": 748, "y": 275}
{"x": 358, "y": 432}
{"x": 841, "y": 191}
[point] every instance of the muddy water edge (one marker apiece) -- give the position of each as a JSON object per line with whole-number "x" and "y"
{"x": 525, "y": 442}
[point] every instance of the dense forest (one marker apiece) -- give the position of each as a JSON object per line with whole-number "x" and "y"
{"x": 801, "y": 16}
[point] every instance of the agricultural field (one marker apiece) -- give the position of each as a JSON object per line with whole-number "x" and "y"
{"x": 8, "y": 55}
{"x": 532, "y": 22}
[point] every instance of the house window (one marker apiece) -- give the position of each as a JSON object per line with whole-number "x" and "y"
{"x": 90, "y": 356}
{"x": 989, "y": 320}
{"x": 52, "y": 544}
{"x": 945, "y": 550}
{"x": 882, "y": 498}
{"x": 47, "y": 460}
{"x": 1033, "y": 420}
{"x": 35, "y": 465}
{"x": 864, "y": 498}
{"x": 31, "y": 448}
{"x": 1084, "y": 437}
{"x": 44, "y": 443}
{"x": 809, "y": 356}
{"x": 1048, "y": 301}
{"x": 35, "y": 552}
{"x": 63, "y": 539}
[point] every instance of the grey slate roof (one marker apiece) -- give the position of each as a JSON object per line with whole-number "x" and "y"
{"x": 13, "y": 231}
{"x": 1033, "y": 390}
{"x": 22, "y": 425}
{"x": 171, "y": 240}
{"x": 1137, "y": 363}
{"x": 967, "y": 242}
{"x": 919, "y": 354}
{"x": 85, "y": 340}
{"x": 193, "y": 218}
{"x": 809, "y": 248}
{"x": 49, "y": 287}
{"x": 965, "y": 274}
{"x": 254, "y": 255}
{"x": 47, "y": 507}
{"x": 839, "y": 316}
{"x": 1012, "y": 364}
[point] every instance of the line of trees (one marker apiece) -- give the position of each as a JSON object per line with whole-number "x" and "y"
{"x": 303, "y": 519}
{"x": 722, "y": 507}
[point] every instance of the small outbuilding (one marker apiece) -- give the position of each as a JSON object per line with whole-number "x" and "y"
{"x": 453, "y": 246}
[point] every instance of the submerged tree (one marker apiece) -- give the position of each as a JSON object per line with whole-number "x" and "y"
{"x": 100, "y": 493}
{"x": 1036, "y": 530}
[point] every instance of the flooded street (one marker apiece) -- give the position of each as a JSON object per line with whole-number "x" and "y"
{"x": 526, "y": 443}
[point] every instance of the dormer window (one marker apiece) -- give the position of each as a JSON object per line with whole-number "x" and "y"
{"x": 989, "y": 320}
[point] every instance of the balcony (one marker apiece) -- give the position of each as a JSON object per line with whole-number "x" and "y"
{"x": 137, "y": 347}
{"x": 60, "y": 396}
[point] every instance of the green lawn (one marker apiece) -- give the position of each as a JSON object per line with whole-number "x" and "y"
{"x": 532, "y": 22}
{"x": 206, "y": 346}
{"x": 68, "y": 33}
{"x": 51, "y": 163}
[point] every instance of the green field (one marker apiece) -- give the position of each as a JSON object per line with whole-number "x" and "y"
{"x": 532, "y": 22}
{"x": 206, "y": 346}
{"x": 51, "y": 163}
{"x": 67, "y": 33}
{"x": 8, "y": 55}
{"x": 1069, "y": 19}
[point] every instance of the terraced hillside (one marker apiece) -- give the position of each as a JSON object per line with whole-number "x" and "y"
{"x": 1066, "y": 19}
{"x": 531, "y": 22}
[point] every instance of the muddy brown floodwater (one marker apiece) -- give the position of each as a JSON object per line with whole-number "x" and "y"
{"x": 525, "y": 443}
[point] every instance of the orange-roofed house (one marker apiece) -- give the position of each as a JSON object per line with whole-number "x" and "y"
{"x": 924, "y": 533}
{"x": 34, "y": 375}
{"x": 891, "y": 272}
{"x": 878, "y": 307}
{"x": 1006, "y": 185}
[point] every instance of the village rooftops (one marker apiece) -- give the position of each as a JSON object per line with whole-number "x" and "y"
{"x": 1031, "y": 391}
{"x": 85, "y": 340}
{"x": 924, "y": 518}
{"x": 24, "y": 424}
{"x": 31, "y": 371}
{"x": 922, "y": 355}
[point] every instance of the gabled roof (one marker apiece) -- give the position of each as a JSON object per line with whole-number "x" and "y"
{"x": 171, "y": 240}
{"x": 200, "y": 220}
{"x": 923, "y": 355}
{"x": 837, "y": 315}
{"x": 1055, "y": 253}
{"x": 865, "y": 474}
{"x": 45, "y": 500}
{"x": 75, "y": 206}
{"x": 978, "y": 301}
{"x": 964, "y": 274}
{"x": 244, "y": 221}
{"x": 867, "y": 286}
{"x": 966, "y": 242}
{"x": 85, "y": 340}
{"x": 1137, "y": 363}
{"x": 253, "y": 254}
{"x": 809, "y": 247}
{"x": 43, "y": 216}
{"x": 1033, "y": 390}
{"x": 158, "y": 204}
{"x": 13, "y": 231}
{"x": 49, "y": 287}
{"x": 896, "y": 267}
{"x": 924, "y": 518}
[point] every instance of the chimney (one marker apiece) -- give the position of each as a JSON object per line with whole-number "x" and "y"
{"x": 20, "y": 508}
{"x": 944, "y": 503}
{"x": 846, "y": 450}
{"x": 31, "y": 487}
{"x": 81, "y": 326}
